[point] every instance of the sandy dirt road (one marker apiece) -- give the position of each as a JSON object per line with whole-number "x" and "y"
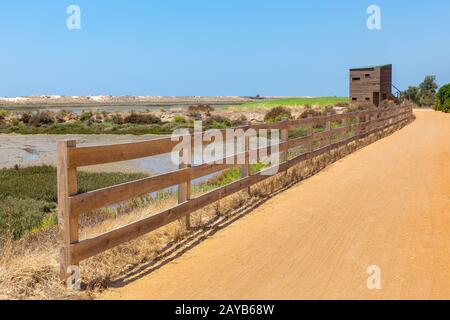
{"x": 386, "y": 205}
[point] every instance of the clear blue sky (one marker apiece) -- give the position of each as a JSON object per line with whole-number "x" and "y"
{"x": 220, "y": 47}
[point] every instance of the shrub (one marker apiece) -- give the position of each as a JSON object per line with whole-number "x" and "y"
{"x": 343, "y": 105}
{"x": 26, "y": 117}
{"x": 3, "y": 114}
{"x": 446, "y": 106}
{"x": 60, "y": 116}
{"x": 194, "y": 115}
{"x": 442, "y": 96}
{"x": 117, "y": 118}
{"x": 329, "y": 110}
{"x": 42, "y": 118}
{"x": 309, "y": 112}
{"x": 202, "y": 108}
{"x": 179, "y": 119}
{"x": 86, "y": 115}
{"x": 361, "y": 106}
{"x": 142, "y": 118}
{"x": 278, "y": 114}
{"x": 424, "y": 94}
{"x": 241, "y": 121}
{"x": 218, "y": 122}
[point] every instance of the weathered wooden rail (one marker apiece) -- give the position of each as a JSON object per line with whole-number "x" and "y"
{"x": 354, "y": 126}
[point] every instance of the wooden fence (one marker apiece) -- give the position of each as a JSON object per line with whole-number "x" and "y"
{"x": 352, "y": 126}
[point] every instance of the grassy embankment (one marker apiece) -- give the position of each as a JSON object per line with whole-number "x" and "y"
{"x": 293, "y": 102}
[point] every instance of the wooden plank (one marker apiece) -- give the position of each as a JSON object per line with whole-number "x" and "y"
{"x": 111, "y": 195}
{"x": 245, "y": 168}
{"x": 88, "y": 156}
{"x": 284, "y": 144}
{"x": 208, "y": 168}
{"x": 68, "y": 225}
{"x": 321, "y": 135}
{"x": 340, "y": 130}
{"x": 298, "y": 142}
{"x": 184, "y": 188}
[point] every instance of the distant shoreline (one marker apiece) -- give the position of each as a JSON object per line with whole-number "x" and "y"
{"x": 129, "y": 101}
{"x": 108, "y": 101}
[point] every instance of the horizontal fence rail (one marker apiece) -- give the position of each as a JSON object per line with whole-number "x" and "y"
{"x": 352, "y": 126}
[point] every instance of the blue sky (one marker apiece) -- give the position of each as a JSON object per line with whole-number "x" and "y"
{"x": 204, "y": 47}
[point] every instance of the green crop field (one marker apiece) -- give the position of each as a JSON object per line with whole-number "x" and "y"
{"x": 294, "y": 102}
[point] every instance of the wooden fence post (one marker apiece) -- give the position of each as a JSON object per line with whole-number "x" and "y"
{"x": 68, "y": 225}
{"x": 284, "y": 138}
{"x": 245, "y": 168}
{"x": 328, "y": 128}
{"x": 311, "y": 133}
{"x": 184, "y": 189}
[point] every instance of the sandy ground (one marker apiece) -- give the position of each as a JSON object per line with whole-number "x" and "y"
{"x": 386, "y": 205}
{"x": 30, "y": 150}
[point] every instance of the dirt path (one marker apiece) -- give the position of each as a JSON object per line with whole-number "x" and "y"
{"x": 387, "y": 205}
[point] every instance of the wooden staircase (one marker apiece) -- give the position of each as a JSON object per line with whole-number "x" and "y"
{"x": 395, "y": 96}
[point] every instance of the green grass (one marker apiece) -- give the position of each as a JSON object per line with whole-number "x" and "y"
{"x": 107, "y": 128}
{"x": 28, "y": 195}
{"x": 226, "y": 177}
{"x": 103, "y": 128}
{"x": 294, "y": 102}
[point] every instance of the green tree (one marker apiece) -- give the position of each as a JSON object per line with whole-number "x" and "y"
{"x": 442, "y": 95}
{"x": 427, "y": 91}
{"x": 443, "y": 99}
{"x": 411, "y": 94}
{"x": 446, "y": 106}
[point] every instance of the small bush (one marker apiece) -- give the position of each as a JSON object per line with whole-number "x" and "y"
{"x": 241, "y": 121}
{"x": 442, "y": 97}
{"x": 446, "y": 106}
{"x": 142, "y": 118}
{"x": 343, "y": 105}
{"x": 194, "y": 115}
{"x": 217, "y": 122}
{"x": 42, "y": 118}
{"x": 60, "y": 116}
{"x": 26, "y": 117}
{"x": 179, "y": 119}
{"x": 117, "y": 119}
{"x": 3, "y": 114}
{"x": 363, "y": 106}
{"x": 201, "y": 108}
{"x": 329, "y": 110}
{"x": 86, "y": 115}
{"x": 278, "y": 114}
{"x": 309, "y": 112}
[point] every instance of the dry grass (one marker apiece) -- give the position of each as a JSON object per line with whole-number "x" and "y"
{"x": 29, "y": 267}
